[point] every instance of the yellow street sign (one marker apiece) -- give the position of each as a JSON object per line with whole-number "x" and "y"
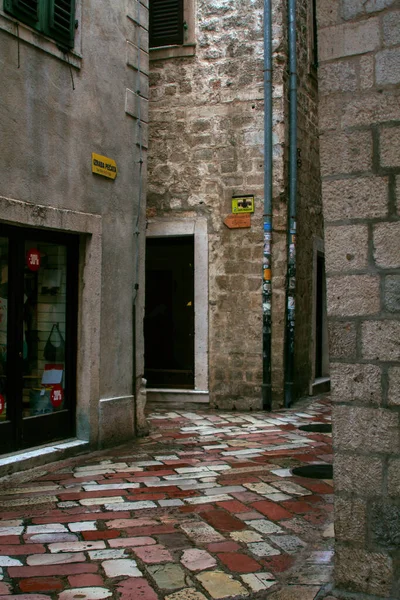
{"x": 242, "y": 204}
{"x": 104, "y": 166}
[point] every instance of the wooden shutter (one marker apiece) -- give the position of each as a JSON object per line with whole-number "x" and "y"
{"x": 62, "y": 22}
{"x": 26, "y": 11}
{"x": 166, "y": 22}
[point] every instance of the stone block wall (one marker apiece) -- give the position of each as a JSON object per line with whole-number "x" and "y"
{"x": 359, "y": 47}
{"x": 206, "y": 145}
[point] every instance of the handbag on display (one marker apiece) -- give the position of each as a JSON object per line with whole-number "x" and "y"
{"x": 54, "y": 351}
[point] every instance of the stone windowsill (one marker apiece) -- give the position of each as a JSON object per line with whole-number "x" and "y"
{"x": 164, "y": 52}
{"x": 34, "y": 38}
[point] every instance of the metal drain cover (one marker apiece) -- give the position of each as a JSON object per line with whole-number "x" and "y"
{"x": 322, "y": 471}
{"x": 317, "y": 427}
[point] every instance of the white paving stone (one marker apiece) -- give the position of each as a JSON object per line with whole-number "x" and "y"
{"x": 7, "y": 561}
{"x": 264, "y": 526}
{"x": 38, "y": 560}
{"x": 172, "y": 502}
{"x": 291, "y": 488}
{"x": 263, "y": 549}
{"x": 123, "y": 567}
{"x": 206, "y": 499}
{"x": 48, "y": 528}
{"x": 85, "y": 593}
{"x": 83, "y": 526}
{"x": 11, "y": 531}
{"x": 282, "y": 472}
{"x": 107, "y": 554}
{"x": 259, "y": 581}
{"x": 131, "y": 505}
{"x": 105, "y": 500}
{"x": 76, "y": 546}
{"x": 110, "y": 486}
{"x": 260, "y": 488}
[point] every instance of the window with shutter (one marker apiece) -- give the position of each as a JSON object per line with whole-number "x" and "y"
{"x": 54, "y": 18}
{"x": 62, "y": 22}
{"x": 166, "y": 23}
{"x": 26, "y": 11}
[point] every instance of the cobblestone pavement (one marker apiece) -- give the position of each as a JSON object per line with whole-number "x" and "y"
{"x": 203, "y": 508}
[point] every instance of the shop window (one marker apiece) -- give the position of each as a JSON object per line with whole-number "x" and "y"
{"x": 53, "y": 18}
{"x": 171, "y": 28}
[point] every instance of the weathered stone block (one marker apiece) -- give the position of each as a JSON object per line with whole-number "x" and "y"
{"x": 367, "y": 429}
{"x": 350, "y": 520}
{"x": 356, "y": 383}
{"x": 370, "y": 108}
{"x": 391, "y": 290}
{"x": 394, "y": 477}
{"x": 328, "y": 12}
{"x": 355, "y": 8}
{"x": 391, "y": 28}
{"x": 338, "y": 76}
{"x": 390, "y": 145}
{"x": 380, "y": 340}
{"x": 360, "y": 198}
{"x": 361, "y": 571}
{"x": 361, "y": 475}
{"x": 342, "y": 339}
{"x": 386, "y": 237}
{"x": 349, "y": 39}
{"x": 366, "y": 72}
{"x": 384, "y": 524}
{"x": 394, "y": 386}
{"x": 387, "y": 67}
{"x": 353, "y": 295}
{"x": 136, "y": 106}
{"x": 346, "y": 152}
{"x": 346, "y": 248}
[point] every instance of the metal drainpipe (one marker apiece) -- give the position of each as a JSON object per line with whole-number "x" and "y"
{"x": 291, "y": 237}
{"x": 267, "y": 278}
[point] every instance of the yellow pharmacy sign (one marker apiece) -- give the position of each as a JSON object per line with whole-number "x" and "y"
{"x": 104, "y": 166}
{"x": 242, "y": 204}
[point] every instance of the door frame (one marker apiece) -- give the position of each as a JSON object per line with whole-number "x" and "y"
{"x": 198, "y": 229}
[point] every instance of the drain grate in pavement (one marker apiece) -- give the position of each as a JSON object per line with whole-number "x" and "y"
{"x": 317, "y": 427}
{"x": 322, "y": 471}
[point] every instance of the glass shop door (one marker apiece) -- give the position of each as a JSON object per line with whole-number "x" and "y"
{"x": 38, "y": 325}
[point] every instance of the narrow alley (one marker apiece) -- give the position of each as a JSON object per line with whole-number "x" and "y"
{"x": 205, "y": 507}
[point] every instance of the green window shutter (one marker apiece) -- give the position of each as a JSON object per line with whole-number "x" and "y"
{"x": 61, "y": 22}
{"x": 166, "y": 22}
{"x": 26, "y": 11}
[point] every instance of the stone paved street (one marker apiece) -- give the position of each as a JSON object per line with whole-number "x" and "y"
{"x": 203, "y": 508}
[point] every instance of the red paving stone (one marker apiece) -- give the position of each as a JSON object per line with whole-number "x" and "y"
{"x": 136, "y": 589}
{"x": 239, "y": 563}
{"x": 273, "y": 511}
{"x": 223, "y": 521}
{"x": 157, "y": 533}
{"x": 85, "y": 580}
{"x": 41, "y": 584}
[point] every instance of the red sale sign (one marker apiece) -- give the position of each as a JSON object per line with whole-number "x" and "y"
{"x": 2, "y": 403}
{"x": 57, "y": 396}
{"x": 33, "y": 259}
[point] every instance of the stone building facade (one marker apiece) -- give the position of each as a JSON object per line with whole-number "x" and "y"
{"x": 60, "y": 104}
{"x": 359, "y": 51}
{"x": 207, "y": 146}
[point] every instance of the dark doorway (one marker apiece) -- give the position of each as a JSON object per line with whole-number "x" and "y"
{"x": 38, "y": 325}
{"x": 169, "y": 312}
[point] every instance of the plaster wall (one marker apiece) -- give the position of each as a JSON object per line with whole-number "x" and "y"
{"x": 48, "y": 131}
{"x": 359, "y": 46}
{"x": 206, "y": 145}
